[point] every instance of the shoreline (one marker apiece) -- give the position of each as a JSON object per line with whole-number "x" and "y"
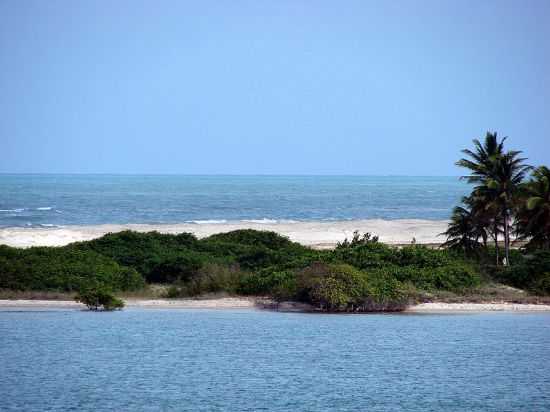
{"x": 230, "y": 303}
{"x": 316, "y": 234}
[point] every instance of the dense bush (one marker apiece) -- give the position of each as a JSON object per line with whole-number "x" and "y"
{"x": 453, "y": 277}
{"x": 357, "y": 240}
{"x": 211, "y": 278}
{"x": 98, "y": 298}
{"x": 64, "y": 269}
{"x": 267, "y": 280}
{"x": 254, "y": 250}
{"x": 173, "y": 268}
{"x": 345, "y": 288}
{"x": 269, "y": 240}
{"x": 158, "y": 257}
{"x": 361, "y": 274}
{"x": 420, "y": 266}
{"x": 530, "y": 272}
{"x": 364, "y": 256}
{"x": 423, "y": 257}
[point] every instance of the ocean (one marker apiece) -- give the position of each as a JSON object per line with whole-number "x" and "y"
{"x": 246, "y": 360}
{"x": 225, "y": 202}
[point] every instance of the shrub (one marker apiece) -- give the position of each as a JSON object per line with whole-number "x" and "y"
{"x": 453, "y": 277}
{"x": 180, "y": 267}
{"x": 62, "y": 269}
{"x": 341, "y": 287}
{"x": 254, "y": 250}
{"x": 422, "y": 256}
{"x": 269, "y": 281}
{"x": 357, "y": 240}
{"x": 364, "y": 256}
{"x": 269, "y": 240}
{"x": 99, "y": 298}
{"x": 532, "y": 273}
{"x": 361, "y": 274}
{"x": 420, "y": 266}
{"x": 210, "y": 278}
{"x": 145, "y": 252}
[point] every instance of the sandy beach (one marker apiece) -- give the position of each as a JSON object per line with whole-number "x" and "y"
{"x": 436, "y": 307}
{"x": 221, "y": 303}
{"x": 251, "y": 303}
{"x": 319, "y": 234}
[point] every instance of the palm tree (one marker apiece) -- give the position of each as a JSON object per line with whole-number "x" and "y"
{"x": 481, "y": 163}
{"x": 465, "y": 229}
{"x": 507, "y": 176}
{"x": 498, "y": 175}
{"x": 533, "y": 211}
{"x": 483, "y": 205}
{"x": 482, "y": 159}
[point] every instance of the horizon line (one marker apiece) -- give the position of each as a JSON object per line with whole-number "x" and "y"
{"x": 222, "y": 174}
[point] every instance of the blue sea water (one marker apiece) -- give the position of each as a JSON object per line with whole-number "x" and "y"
{"x": 207, "y": 360}
{"x": 50, "y": 200}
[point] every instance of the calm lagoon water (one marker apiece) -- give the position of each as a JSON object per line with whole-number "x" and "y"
{"x": 209, "y": 360}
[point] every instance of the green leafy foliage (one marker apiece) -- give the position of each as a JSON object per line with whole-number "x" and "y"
{"x": 211, "y": 278}
{"x": 265, "y": 281}
{"x": 359, "y": 275}
{"x": 533, "y": 210}
{"x": 99, "y": 298}
{"x": 532, "y": 273}
{"x": 64, "y": 269}
{"x": 357, "y": 240}
{"x": 423, "y": 267}
{"x": 158, "y": 257}
{"x": 254, "y": 250}
{"x": 341, "y": 287}
{"x": 498, "y": 176}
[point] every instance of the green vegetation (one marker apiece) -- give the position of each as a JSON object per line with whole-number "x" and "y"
{"x": 533, "y": 210}
{"x": 99, "y": 298}
{"x": 360, "y": 274}
{"x": 497, "y": 175}
{"x": 530, "y": 272}
{"x": 66, "y": 269}
{"x": 502, "y": 204}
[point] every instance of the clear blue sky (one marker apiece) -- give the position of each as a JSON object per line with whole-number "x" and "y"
{"x": 276, "y": 87}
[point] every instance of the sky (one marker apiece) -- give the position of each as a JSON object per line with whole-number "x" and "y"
{"x": 269, "y": 87}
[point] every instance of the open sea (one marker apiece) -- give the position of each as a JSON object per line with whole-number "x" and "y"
{"x": 246, "y": 360}
{"x": 58, "y": 200}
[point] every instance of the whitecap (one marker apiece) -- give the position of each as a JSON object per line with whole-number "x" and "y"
{"x": 43, "y": 208}
{"x": 263, "y": 221}
{"x": 207, "y": 222}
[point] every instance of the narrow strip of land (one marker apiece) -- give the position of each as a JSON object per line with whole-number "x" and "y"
{"x": 250, "y": 303}
{"x": 440, "y": 307}
{"x": 221, "y": 303}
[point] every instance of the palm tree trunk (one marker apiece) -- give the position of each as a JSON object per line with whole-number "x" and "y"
{"x": 496, "y": 243}
{"x": 506, "y": 239}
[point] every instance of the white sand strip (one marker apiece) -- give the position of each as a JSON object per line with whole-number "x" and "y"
{"x": 319, "y": 233}
{"x": 436, "y": 307}
{"x": 37, "y": 303}
{"x": 249, "y": 303}
{"x": 222, "y": 303}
